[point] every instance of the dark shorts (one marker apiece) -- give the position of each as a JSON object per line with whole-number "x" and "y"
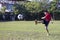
{"x": 45, "y": 22}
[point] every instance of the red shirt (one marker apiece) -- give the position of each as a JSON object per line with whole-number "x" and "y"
{"x": 47, "y": 16}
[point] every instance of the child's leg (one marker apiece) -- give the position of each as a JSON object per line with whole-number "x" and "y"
{"x": 47, "y": 30}
{"x": 46, "y": 27}
{"x": 42, "y": 21}
{"x": 36, "y": 21}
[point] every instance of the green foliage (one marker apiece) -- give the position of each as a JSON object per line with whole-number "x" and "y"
{"x": 15, "y": 10}
{"x": 3, "y": 9}
{"x": 52, "y": 7}
{"x": 33, "y": 7}
{"x": 19, "y": 8}
{"x": 15, "y": 7}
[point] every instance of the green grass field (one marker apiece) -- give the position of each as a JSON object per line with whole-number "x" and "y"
{"x": 27, "y": 30}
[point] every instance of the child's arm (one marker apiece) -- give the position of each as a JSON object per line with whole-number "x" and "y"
{"x": 52, "y": 20}
{"x": 43, "y": 17}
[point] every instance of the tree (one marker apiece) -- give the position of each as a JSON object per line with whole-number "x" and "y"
{"x": 53, "y": 8}
{"x": 3, "y": 9}
{"x": 33, "y": 7}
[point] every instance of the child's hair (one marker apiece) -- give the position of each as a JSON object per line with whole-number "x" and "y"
{"x": 45, "y": 11}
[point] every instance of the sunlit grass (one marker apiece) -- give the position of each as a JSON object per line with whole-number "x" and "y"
{"x": 27, "y": 30}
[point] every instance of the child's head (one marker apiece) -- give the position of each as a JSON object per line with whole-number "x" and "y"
{"x": 45, "y": 12}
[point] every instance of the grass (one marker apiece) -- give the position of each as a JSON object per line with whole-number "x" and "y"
{"x": 27, "y": 30}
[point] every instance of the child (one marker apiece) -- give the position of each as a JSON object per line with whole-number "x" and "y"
{"x": 45, "y": 20}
